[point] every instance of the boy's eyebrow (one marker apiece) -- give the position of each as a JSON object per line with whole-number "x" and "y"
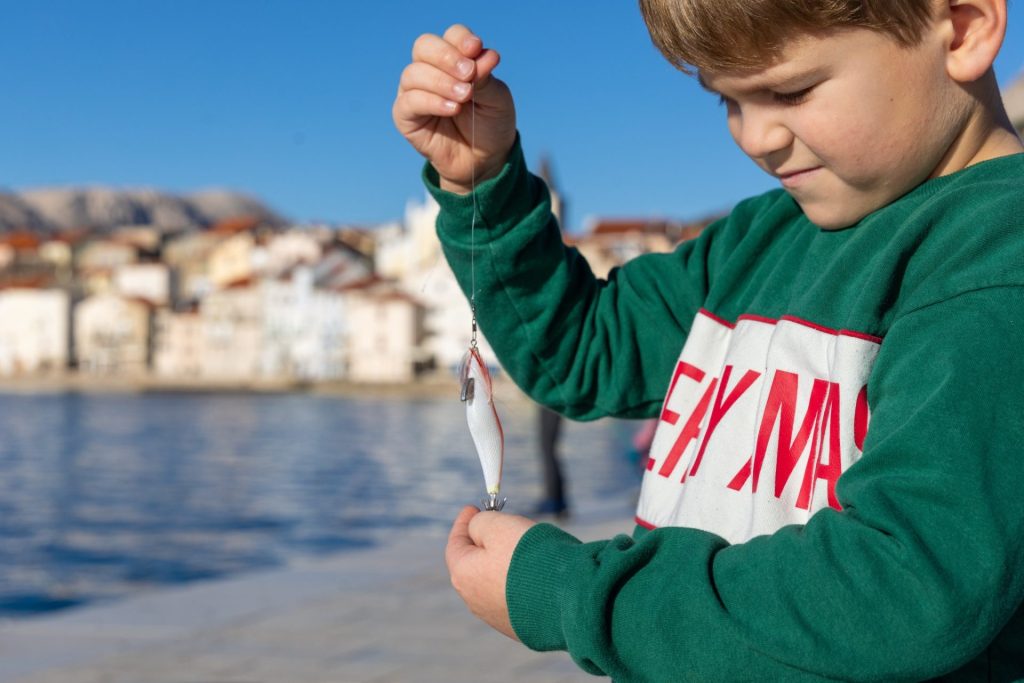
{"x": 779, "y": 82}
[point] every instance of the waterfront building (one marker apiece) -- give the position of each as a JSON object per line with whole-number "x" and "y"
{"x": 392, "y": 248}
{"x": 293, "y": 247}
{"x": 304, "y": 335}
{"x": 341, "y": 265}
{"x": 22, "y": 264}
{"x": 34, "y": 331}
{"x": 58, "y": 253}
{"x": 385, "y": 341}
{"x": 359, "y": 241}
{"x": 232, "y": 333}
{"x": 274, "y": 329}
{"x": 609, "y": 243}
{"x": 233, "y": 259}
{"x": 104, "y": 254}
{"x": 188, "y": 257}
{"x": 149, "y": 281}
{"x": 145, "y": 238}
{"x": 112, "y": 335}
{"x": 178, "y": 344}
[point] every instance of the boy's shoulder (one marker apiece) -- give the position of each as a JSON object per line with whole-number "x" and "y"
{"x": 960, "y": 233}
{"x": 950, "y": 235}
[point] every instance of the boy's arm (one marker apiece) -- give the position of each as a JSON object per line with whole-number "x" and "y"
{"x": 584, "y": 346}
{"x": 912, "y": 579}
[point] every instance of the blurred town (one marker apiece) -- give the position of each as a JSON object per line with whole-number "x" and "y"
{"x": 217, "y": 291}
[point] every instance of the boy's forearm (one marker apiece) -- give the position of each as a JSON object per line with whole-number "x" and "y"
{"x": 567, "y": 338}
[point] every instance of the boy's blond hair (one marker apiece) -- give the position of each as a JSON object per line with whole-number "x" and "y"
{"x": 738, "y": 35}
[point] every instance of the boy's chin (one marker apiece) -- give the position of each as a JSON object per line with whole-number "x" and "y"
{"x": 831, "y": 217}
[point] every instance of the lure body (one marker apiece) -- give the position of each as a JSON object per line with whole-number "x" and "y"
{"x": 484, "y": 425}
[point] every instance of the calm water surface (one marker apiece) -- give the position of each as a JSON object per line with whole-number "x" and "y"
{"x": 105, "y": 495}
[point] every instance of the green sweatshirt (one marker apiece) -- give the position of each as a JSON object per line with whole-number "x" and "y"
{"x": 834, "y": 489}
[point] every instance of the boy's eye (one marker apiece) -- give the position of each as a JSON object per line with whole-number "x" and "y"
{"x": 792, "y": 97}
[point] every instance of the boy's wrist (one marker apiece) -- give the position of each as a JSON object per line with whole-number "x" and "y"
{"x": 483, "y": 175}
{"x": 500, "y": 204}
{"x": 536, "y": 583}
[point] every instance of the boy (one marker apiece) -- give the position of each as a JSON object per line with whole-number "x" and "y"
{"x": 832, "y": 491}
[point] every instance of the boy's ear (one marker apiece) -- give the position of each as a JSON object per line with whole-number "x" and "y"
{"x": 978, "y": 29}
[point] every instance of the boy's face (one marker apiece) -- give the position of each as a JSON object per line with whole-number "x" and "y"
{"x": 849, "y": 121}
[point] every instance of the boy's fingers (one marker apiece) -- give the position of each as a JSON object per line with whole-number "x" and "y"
{"x": 412, "y": 105}
{"x": 472, "y": 46}
{"x": 485, "y": 64}
{"x": 420, "y": 76}
{"x": 467, "y": 42}
{"x": 439, "y": 53}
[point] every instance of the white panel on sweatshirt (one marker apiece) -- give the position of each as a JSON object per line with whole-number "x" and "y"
{"x": 761, "y": 418}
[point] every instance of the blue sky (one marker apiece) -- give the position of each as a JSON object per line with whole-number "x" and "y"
{"x": 291, "y": 102}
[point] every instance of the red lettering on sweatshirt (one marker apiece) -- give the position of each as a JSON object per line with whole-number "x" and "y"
{"x": 682, "y": 368}
{"x": 692, "y": 425}
{"x": 691, "y": 430}
{"x": 721, "y": 406}
{"x": 741, "y": 477}
{"x": 780, "y": 409}
{"x": 817, "y": 469}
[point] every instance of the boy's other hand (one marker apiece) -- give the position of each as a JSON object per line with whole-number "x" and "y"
{"x": 479, "y": 552}
{"x": 433, "y": 110}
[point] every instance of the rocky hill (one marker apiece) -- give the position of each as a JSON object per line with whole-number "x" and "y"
{"x": 52, "y": 210}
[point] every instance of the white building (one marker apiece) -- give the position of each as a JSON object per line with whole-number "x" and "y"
{"x": 149, "y": 281}
{"x": 386, "y": 333}
{"x": 34, "y": 335}
{"x": 188, "y": 256}
{"x": 293, "y": 247}
{"x": 413, "y": 256}
{"x": 233, "y": 260}
{"x": 178, "y": 344}
{"x": 112, "y": 335}
{"x": 394, "y": 249}
{"x": 341, "y": 266}
{"x": 102, "y": 254}
{"x": 232, "y": 333}
{"x": 304, "y": 329}
{"x": 274, "y": 329}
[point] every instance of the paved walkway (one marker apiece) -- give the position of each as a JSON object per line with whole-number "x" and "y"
{"x": 382, "y": 615}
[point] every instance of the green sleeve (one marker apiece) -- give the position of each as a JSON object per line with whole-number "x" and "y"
{"x": 587, "y": 347}
{"x": 915, "y": 576}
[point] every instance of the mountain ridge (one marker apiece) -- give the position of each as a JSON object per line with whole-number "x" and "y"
{"x": 51, "y": 210}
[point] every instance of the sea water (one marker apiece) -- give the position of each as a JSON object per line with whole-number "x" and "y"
{"x": 103, "y": 495}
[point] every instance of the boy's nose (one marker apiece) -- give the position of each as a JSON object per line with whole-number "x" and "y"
{"x": 760, "y": 133}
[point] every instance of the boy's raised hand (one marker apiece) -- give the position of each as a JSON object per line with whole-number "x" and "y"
{"x": 433, "y": 109}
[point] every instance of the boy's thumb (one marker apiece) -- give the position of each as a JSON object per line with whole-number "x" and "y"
{"x": 459, "y": 539}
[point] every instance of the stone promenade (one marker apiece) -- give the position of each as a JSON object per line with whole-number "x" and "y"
{"x": 385, "y": 614}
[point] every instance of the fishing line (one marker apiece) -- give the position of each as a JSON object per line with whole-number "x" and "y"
{"x": 430, "y": 272}
{"x": 472, "y": 223}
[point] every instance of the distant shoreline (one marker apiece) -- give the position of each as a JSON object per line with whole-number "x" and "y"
{"x": 429, "y": 387}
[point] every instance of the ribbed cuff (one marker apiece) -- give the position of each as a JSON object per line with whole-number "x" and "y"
{"x": 502, "y": 202}
{"x": 538, "y": 579}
